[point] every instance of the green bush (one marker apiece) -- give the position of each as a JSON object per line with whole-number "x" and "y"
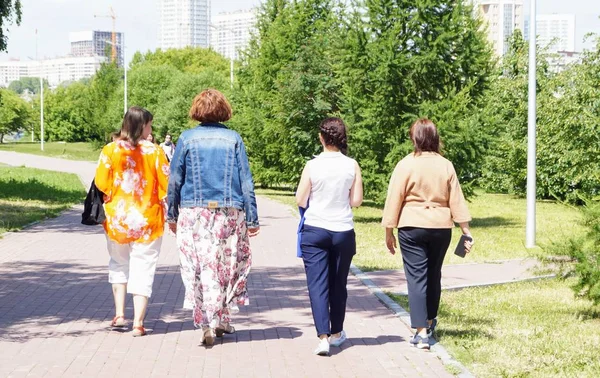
{"x": 583, "y": 256}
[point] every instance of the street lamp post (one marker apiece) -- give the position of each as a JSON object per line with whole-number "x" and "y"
{"x": 531, "y": 132}
{"x": 41, "y": 92}
{"x": 41, "y": 106}
{"x": 124, "y": 74}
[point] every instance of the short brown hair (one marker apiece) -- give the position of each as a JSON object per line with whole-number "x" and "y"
{"x": 210, "y": 106}
{"x": 425, "y": 136}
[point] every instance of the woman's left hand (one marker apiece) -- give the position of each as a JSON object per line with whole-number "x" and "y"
{"x": 469, "y": 244}
{"x": 390, "y": 242}
{"x": 173, "y": 228}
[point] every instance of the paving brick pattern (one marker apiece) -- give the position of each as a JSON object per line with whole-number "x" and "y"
{"x": 56, "y": 304}
{"x": 465, "y": 275}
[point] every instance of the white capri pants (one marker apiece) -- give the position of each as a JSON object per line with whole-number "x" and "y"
{"x": 133, "y": 264}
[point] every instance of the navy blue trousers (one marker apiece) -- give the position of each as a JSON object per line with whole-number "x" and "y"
{"x": 423, "y": 251}
{"x": 327, "y": 257}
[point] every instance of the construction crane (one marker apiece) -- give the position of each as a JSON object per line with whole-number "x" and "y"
{"x": 113, "y": 15}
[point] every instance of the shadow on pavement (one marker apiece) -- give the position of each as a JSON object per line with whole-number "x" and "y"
{"x": 356, "y": 341}
{"x": 68, "y": 222}
{"x": 56, "y": 299}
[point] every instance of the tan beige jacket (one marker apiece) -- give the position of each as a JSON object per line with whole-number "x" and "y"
{"x": 424, "y": 192}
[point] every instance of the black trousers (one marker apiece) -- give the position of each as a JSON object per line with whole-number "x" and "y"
{"x": 327, "y": 257}
{"x": 423, "y": 252}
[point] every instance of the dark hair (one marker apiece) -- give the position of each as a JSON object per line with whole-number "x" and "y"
{"x": 425, "y": 137}
{"x": 333, "y": 131}
{"x": 210, "y": 106}
{"x": 133, "y": 124}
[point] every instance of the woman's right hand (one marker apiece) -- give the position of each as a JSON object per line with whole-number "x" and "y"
{"x": 466, "y": 231}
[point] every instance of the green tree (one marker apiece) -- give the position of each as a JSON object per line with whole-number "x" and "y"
{"x": 569, "y": 133}
{"x": 165, "y": 82}
{"x": 583, "y": 256}
{"x": 147, "y": 81}
{"x": 10, "y": 11}
{"x": 103, "y": 93}
{"x": 15, "y": 113}
{"x": 398, "y": 60}
{"x": 287, "y": 86}
{"x": 189, "y": 59}
{"x": 561, "y": 143}
{"x": 173, "y": 105}
{"x": 68, "y": 116}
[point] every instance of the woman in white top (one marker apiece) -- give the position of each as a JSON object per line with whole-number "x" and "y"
{"x": 331, "y": 185}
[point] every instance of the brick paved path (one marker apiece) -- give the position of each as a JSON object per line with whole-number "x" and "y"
{"x": 55, "y": 305}
{"x": 465, "y": 275}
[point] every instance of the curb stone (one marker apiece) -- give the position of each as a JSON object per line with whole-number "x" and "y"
{"x": 25, "y": 227}
{"x": 404, "y": 316}
{"x": 76, "y": 207}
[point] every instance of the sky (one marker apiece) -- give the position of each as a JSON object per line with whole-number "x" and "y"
{"x": 138, "y": 19}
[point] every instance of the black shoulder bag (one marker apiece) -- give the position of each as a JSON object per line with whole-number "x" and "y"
{"x": 93, "y": 211}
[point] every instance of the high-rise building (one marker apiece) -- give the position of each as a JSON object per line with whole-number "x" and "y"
{"x": 96, "y": 43}
{"x": 231, "y": 32}
{"x": 502, "y": 18}
{"x": 562, "y": 60}
{"x": 56, "y": 70}
{"x": 184, "y": 23}
{"x": 555, "y": 31}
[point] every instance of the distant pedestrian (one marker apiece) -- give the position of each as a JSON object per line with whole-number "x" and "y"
{"x": 150, "y": 138}
{"x": 133, "y": 174}
{"x": 212, "y": 210}
{"x": 424, "y": 199}
{"x": 331, "y": 185}
{"x": 168, "y": 146}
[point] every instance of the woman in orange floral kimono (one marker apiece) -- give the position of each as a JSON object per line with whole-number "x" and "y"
{"x": 133, "y": 173}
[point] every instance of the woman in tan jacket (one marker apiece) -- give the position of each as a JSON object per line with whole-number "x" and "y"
{"x": 424, "y": 200}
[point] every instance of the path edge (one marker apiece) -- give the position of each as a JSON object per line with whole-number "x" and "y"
{"x": 439, "y": 350}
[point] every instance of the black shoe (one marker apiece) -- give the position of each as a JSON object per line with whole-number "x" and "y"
{"x": 431, "y": 329}
{"x": 420, "y": 342}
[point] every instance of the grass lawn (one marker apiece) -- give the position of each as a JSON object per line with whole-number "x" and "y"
{"x": 71, "y": 151}
{"x": 498, "y": 228}
{"x": 28, "y": 195}
{"x": 527, "y": 329}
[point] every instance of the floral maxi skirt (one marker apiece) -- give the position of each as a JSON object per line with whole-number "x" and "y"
{"x": 215, "y": 258}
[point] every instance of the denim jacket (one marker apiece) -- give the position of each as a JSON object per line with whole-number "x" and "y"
{"x": 210, "y": 169}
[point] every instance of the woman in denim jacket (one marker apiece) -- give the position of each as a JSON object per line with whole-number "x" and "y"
{"x": 212, "y": 210}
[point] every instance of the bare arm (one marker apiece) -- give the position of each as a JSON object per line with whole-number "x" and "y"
{"x": 303, "y": 191}
{"x": 356, "y": 192}
{"x": 464, "y": 226}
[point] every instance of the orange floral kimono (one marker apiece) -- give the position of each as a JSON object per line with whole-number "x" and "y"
{"x": 135, "y": 181}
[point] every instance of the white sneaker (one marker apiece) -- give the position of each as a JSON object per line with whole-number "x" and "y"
{"x": 322, "y": 348}
{"x": 337, "y": 341}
